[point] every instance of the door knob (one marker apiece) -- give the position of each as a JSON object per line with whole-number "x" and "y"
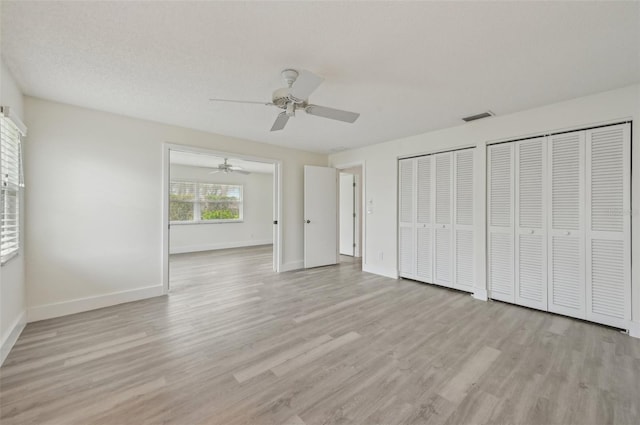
{"x": 567, "y": 233}
{"x": 308, "y": 221}
{"x": 531, "y": 232}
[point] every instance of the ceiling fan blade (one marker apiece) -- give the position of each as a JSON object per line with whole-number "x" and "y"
{"x": 241, "y": 101}
{"x": 241, "y": 172}
{"x": 280, "y": 122}
{"x": 331, "y": 113}
{"x": 305, "y": 84}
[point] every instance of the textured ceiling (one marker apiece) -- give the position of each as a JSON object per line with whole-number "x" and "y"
{"x": 407, "y": 67}
{"x": 210, "y": 161}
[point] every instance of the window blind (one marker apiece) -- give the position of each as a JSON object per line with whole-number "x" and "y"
{"x": 11, "y": 170}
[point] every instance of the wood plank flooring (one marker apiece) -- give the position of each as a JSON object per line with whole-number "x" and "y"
{"x": 235, "y": 343}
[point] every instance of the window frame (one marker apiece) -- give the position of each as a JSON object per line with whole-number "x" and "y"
{"x": 197, "y": 203}
{"x": 12, "y": 182}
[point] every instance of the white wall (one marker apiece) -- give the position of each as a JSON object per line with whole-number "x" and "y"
{"x": 94, "y": 217}
{"x": 381, "y": 172}
{"x": 256, "y": 227}
{"x": 13, "y": 304}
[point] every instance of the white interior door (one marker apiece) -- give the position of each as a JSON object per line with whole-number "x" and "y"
{"x": 406, "y": 222}
{"x": 530, "y": 221}
{"x": 347, "y": 214}
{"x": 443, "y": 234}
{"x": 608, "y": 233}
{"x": 566, "y": 247}
{"x": 500, "y": 259}
{"x": 463, "y": 260}
{"x": 320, "y": 216}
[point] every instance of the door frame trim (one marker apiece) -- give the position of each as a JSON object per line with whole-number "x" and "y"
{"x": 363, "y": 207}
{"x": 277, "y": 200}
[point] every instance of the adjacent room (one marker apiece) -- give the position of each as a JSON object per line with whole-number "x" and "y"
{"x": 305, "y": 213}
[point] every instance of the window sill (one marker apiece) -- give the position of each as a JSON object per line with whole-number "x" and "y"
{"x": 189, "y": 223}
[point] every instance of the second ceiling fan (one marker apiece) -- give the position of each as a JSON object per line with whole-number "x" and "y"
{"x": 300, "y": 84}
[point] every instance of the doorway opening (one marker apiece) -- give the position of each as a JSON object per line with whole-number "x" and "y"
{"x": 350, "y": 217}
{"x": 218, "y": 206}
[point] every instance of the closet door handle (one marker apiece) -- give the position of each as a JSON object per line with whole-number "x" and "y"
{"x": 567, "y": 233}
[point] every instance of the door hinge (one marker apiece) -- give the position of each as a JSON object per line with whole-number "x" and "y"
{"x": 354, "y": 184}
{"x": 354, "y": 245}
{"x": 354, "y": 215}
{"x": 275, "y": 221}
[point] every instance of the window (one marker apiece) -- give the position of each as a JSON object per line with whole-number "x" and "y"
{"x": 196, "y": 202}
{"x": 11, "y": 170}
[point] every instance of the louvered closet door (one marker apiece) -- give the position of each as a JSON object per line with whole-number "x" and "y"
{"x": 406, "y": 214}
{"x": 530, "y": 223}
{"x": 443, "y": 219}
{"x": 500, "y": 255}
{"x": 608, "y": 235}
{"x": 566, "y": 271}
{"x": 463, "y": 220}
{"x": 424, "y": 219}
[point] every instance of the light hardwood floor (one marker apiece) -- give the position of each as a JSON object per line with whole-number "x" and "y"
{"x": 235, "y": 343}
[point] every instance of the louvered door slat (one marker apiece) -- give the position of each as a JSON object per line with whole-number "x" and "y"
{"x": 406, "y": 214}
{"x": 608, "y": 225}
{"x": 443, "y": 218}
{"x": 463, "y": 220}
{"x": 530, "y": 254}
{"x": 406, "y": 190}
{"x": 566, "y": 272}
{"x": 500, "y": 256}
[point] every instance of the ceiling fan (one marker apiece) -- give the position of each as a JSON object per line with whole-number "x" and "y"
{"x": 300, "y": 84}
{"x": 228, "y": 168}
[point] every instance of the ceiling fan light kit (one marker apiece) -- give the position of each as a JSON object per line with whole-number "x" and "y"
{"x": 228, "y": 168}
{"x": 300, "y": 85}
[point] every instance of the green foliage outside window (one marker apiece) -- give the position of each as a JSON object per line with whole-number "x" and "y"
{"x": 209, "y": 201}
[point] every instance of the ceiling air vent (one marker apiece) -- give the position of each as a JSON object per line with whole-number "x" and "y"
{"x": 478, "y": 116}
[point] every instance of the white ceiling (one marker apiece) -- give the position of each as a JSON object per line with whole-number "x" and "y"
{"x": 210, "y": 161}
{"x": 407, "y": 67}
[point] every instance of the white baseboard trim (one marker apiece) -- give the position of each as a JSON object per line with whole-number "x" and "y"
{"x": 49, "y": 311}
{"x": 393, "y": 274}
{"x": 480, "y": 294}
{"x": 214, "y": 246}
{"x": 634, "y": 329}
{"x": 292, "y": 265}
{"x": 11, "y": 338}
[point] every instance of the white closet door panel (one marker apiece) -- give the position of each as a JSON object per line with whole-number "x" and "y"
{"x": 443, "y": 254}
{"x": 531, "y": 275}
{"x": 566, "y": 271}
{"x": 443, "y": 187}
{"x": 608, "y": 225}
{"x": 530, "y": 245}
{"x": 463, "y": 261}
{"x": 464, "y": 187}
{"x": 500, "y": 241}
{"x": 406, "y": 214}
{"x": 424, "y": 260}
{"x": 500, "y": 267}
{"x": 464, "y": 271}
{"x": 424, "y": 220}
{"x": 501, "y": 185}
{"x": 405, "y": 176}
{"x": 424, "y": 192}
{"x": 530, "y": 193}
{"x": 443, "y": 257}
{"x": 406, "y": 251}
